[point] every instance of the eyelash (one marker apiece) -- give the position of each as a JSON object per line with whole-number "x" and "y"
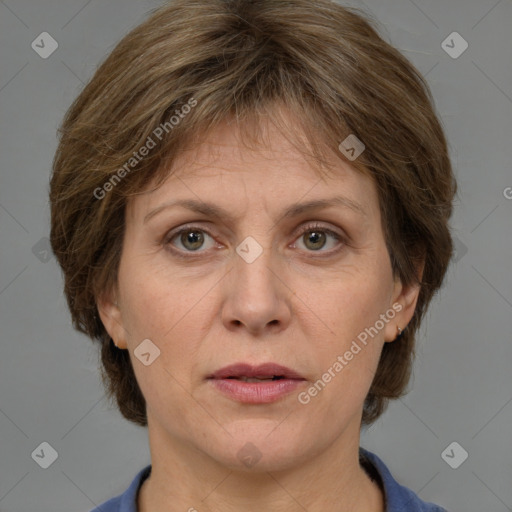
{"x": 314, "y": 227}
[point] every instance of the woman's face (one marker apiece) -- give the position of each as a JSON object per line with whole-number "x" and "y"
{"x": 268, "y": 280}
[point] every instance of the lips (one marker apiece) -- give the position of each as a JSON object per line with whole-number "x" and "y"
{"x": 263, "y": 372}
{"x": 262, "y": 384}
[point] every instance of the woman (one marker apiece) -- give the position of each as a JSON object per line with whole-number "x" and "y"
{"x": 250, "y": 204}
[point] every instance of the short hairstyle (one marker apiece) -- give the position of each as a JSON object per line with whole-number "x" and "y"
{"x": 221, "y": 60}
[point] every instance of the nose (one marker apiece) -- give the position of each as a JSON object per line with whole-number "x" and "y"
{"x": 256, "y": 299}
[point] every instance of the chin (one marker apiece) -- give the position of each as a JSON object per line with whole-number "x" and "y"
{"x": 258, "y": 446}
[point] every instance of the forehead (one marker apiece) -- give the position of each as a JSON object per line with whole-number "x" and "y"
{"x": 222, "y": 164}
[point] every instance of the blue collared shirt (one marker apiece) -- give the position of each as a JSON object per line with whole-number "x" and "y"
{"x": 397, "y": 497}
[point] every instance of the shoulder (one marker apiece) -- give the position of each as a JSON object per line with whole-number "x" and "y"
{"x": 127, "y": 501}
{"x": 398, "y": 497}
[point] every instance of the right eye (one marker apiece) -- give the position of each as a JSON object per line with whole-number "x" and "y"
{"x": 191, "y": 239}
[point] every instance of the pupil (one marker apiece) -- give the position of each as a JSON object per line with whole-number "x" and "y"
{"x": 317, "y": 239}
{"x": 192, "y": 240}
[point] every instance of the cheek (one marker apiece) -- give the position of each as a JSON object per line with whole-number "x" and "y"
{"x": 171, "y": 318}
{"x": 168, "y": 310}
{"x": 353, "y": 299}
{"x": 352, "y": 304}
{"x": 152, "y": 299}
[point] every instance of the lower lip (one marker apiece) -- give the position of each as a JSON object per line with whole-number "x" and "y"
{"x": 256, "y": 392}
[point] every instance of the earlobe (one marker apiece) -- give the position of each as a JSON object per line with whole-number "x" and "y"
{"x": 110, "y": 315}
{"x": 404, "y": 303}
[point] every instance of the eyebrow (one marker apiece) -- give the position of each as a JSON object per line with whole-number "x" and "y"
{"x": 217, "y": 212}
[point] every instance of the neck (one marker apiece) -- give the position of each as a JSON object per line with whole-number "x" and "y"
{"x": 184, "y": 479}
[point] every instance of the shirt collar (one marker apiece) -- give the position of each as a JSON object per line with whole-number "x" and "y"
{"x": 397, "y": 498}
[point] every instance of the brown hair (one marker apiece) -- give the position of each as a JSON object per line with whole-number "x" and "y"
{"x": 240, "y": 59}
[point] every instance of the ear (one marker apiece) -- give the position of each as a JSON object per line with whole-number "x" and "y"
{"x": 110, "y": 314}
{"x": 404, "y": 303}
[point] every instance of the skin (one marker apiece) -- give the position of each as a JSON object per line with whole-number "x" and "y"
{"x": 300, "y": 304}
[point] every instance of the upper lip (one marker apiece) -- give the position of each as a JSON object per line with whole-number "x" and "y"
{"x": 262, "y": 370}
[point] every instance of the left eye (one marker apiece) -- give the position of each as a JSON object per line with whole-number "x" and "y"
{"x": 316, "y": 238}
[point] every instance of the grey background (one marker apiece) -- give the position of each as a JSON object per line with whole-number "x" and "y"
{"x": 462, "y": 386}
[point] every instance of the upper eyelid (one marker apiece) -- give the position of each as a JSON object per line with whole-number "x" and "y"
{"x": 303, "y": 226}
